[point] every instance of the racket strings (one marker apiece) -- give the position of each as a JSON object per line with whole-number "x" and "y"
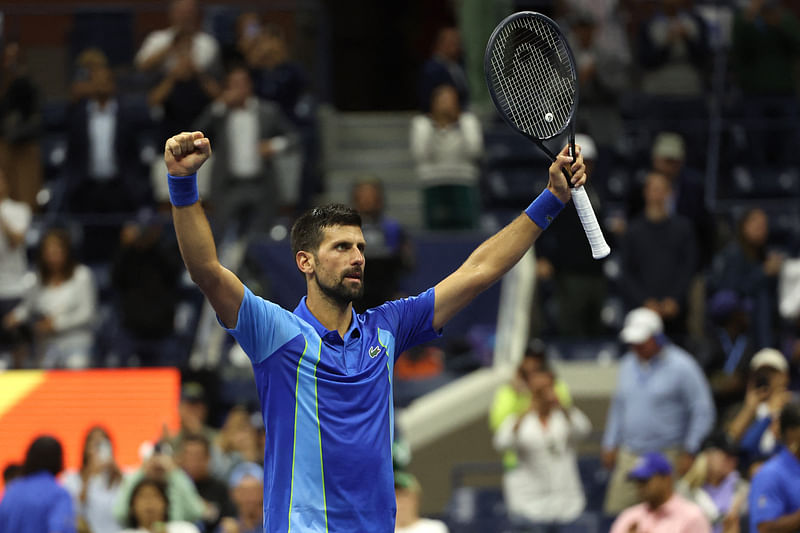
{"x": 533, "y": 76}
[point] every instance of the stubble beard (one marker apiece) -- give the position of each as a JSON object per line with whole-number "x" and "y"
{"x": 339, "y": 293}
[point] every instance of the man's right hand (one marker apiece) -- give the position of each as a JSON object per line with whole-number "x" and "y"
{"x": 186, "y": 152}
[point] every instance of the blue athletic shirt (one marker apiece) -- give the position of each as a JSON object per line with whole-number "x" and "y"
{"x": 328, "y": 413}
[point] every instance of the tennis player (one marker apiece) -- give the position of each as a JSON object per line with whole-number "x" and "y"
{"x": 323, "y": 372}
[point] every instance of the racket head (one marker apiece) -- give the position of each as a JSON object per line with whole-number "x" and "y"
{"x": 531, "y": 75}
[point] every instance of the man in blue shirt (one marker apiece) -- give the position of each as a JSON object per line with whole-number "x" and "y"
{"x": 662, "y": 403}
{"x": 324, "y": 372}
{"x": 775, "y": 491}
{"x": 35, "y": 502}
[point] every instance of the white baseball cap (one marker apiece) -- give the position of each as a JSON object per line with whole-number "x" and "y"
{"x": 769, "y": 357}
{"x": 640, "y": 325}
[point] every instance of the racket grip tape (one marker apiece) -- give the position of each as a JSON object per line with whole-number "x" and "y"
{"x": 583, "y": 206}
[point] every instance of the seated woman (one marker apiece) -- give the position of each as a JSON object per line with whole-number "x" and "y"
{"x": 545, "y": 488}
{"x": 60, "y": 310}
{"x": 148, "y": 510}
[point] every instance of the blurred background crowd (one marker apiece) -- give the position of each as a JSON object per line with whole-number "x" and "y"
{"x": 688, "y": 122}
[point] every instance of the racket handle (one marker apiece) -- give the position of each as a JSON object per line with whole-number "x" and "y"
{"x": 600, "y": 248}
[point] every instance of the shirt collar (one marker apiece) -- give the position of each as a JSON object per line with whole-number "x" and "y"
{"x": 111, "y": 106}
{"x": 303, "y": 312}
{"x": 788, "y": 459}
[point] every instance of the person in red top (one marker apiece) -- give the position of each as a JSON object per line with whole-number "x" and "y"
{"x": 661, "y": 510}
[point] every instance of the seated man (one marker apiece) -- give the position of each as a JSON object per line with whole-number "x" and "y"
{"x": 246, "y": 493}
{"x": 661, "y": 510}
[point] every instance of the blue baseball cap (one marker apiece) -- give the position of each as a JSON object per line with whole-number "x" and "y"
{"x": 649, "y": 465}
{"x": 245, "y": 470}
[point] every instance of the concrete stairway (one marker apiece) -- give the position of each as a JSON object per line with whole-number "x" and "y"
{"x": 374, "y": 143}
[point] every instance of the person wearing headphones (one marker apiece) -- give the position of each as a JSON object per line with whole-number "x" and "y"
{"x": 662, "y": 404}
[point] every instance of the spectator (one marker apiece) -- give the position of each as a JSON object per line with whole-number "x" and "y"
{"x": 755, "y": 426}
{"x": 20, "y": 123}
{"x": 729, "y": 349}
{"x": 662, "y": 402}
{"x": 11, "y": 472}
{"x": 275, "y": 76}
{"x": 35, "y": 502}
{"x": 715, "y": 485}
{"x": 673, "y": 50}
{"x": 514, "y": 398}
{"x": 182, "y": 502}
{"x": 580, "y": 288}
{"x": 60, "y": 308}
{"x": 15, "y": 220}
{"x": 147, "y": 268}
{"x": 545, "y": 488}
{"x": 237, "y": 442}
{"x": 444, "y": 68}
{"x": 194, "y": 457}
{"x": 87, "y": 64}
{"x": 147, "y": 510}
{"x": 247, "y": 492}
{"x": 658, "y": 257}
{"x": 766, "y": 38}
{"x": 747, "y": 266}
{"x": 775, "y": 493}
{"x": 688, "y": 196}
{"x": 161, "y": 49}
{"x": 193, "y": 413}
{"x": 388, "y": 249}
{"x": 603, "y": 75}
{"x": 250, "y": 135}
{"x": 94, "y": 488}
{"x": 103, "y": 167}
{"x": 447, "y": 146}
{"x": 407, "y": 491}
{"x": 661, "y": 510}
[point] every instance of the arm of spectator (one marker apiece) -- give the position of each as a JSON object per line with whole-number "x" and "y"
{"x": 612, "y": 436}
{"x": 123, "y": 500}
{"x": 503, "y": 406}
{"x": 789, "y": 523}
{"x": 184, "y": 497}
{"x": 82, "y": 312}
{"x": 506, "y": 436}
{"x": 61, "y": 516}
{"x": 161, "y": 92}
{"x": 579, "y": 424}
{"x": 154, "y": 51}
{"x": 740, "y": 423}
{"x": 473, "y": 135}
{"x": 702, "y": 414}
{"x": 280, "y": 134}
{"x": 421, "y": 139}
{"x": 15, "y": 230}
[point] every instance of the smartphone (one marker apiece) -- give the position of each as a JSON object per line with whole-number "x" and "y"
{"x": 104, "y": 451}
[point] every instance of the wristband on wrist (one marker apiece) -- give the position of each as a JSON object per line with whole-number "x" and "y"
{"x": 183, "y": 189}
{"x": 544, "y": 209}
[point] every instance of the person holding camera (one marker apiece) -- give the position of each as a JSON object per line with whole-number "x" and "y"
{"x": 755, "y": 426}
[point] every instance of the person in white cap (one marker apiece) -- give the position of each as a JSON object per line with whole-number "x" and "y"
{"x": 663, "y": 403}
{"x": 755, "y": 425}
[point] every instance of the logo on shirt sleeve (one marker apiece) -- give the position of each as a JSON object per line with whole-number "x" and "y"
{"x": 374, "y": 351}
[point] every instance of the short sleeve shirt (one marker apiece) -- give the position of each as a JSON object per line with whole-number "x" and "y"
{"x": 775, "y": 490}
{"x": 328, "y": 410}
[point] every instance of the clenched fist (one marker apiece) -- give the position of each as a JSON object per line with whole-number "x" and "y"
{"x": 186, "y": 152}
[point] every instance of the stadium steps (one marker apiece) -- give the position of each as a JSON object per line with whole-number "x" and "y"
{"x": 371, "y": 143}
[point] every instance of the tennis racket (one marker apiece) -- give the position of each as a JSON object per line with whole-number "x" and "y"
{"x": 530, "y": 71}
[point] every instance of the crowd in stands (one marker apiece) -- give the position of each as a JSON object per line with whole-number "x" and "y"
{"x": 702, "y": 291}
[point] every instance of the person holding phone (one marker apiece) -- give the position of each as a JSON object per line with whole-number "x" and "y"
{"x": 95, "y": 486}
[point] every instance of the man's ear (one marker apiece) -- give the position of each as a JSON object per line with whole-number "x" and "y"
{"x": 305, "y": 262}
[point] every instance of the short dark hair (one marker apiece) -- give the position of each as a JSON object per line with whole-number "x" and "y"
{"x": 307, "y": 231}
{"x": 790, "y": 417}
{"x": 11, "y": 471}
{"x": 44, "y": 454}
{"x": 147, "y": 482}
{"x": 197, "y": 438}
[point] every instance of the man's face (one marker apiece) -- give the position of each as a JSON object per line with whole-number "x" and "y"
{"x": 194, "y": 460}
{"x": 339, "y": 264}
{"x": 652, "y": 491}
{"x": 646, "y": 350}
{"x": 248, "y": 496}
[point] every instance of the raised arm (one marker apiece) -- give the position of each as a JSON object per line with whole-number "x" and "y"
{"x": 495, "y": 256}
{"x": 184, "y": 154}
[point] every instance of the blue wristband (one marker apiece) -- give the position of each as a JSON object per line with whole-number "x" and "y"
{"x": 544, "y": 209}
{"x": 183, "y": 189}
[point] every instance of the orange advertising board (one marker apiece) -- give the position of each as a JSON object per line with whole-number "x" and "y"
{"x": 134, "y": 405}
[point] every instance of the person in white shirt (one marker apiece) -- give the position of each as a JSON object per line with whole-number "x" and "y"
{"x": 95, "y": 486}
{"x": 148, "y": 510}
{"x": 15, "y": 219}
{"x": 407, "y": 491}
{"x": 447, "y": 146}
{"x": 545, "y": 488}
{"x": 161, "y": 49}
{"x": 60, "y": 309}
